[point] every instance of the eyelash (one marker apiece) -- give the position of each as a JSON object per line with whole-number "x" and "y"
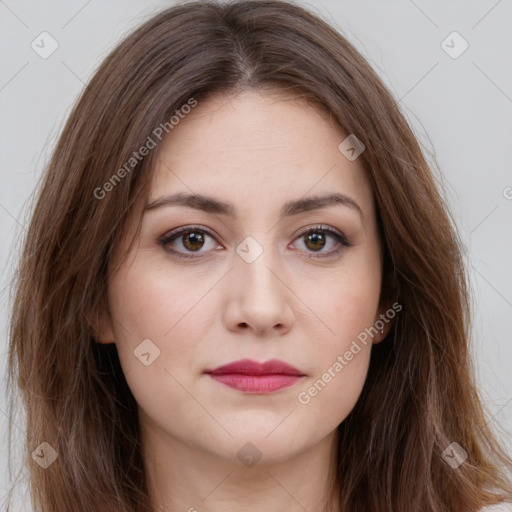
{"x": 166, "y": 239}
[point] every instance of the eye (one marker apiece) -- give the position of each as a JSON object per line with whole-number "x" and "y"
{"x": 316, "y": 238}
{"x": 190, "y": 238}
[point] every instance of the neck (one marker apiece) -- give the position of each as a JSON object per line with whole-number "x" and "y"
{"x": 187, "y": 478}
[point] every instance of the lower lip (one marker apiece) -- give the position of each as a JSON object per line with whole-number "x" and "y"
{"x": 257, "y": 383}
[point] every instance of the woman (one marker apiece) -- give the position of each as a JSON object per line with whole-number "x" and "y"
{"x": 241, "y": 288}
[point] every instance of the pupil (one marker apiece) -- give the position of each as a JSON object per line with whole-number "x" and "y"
{"x": 316, "y": 238}
{"x": 193, "y": 239}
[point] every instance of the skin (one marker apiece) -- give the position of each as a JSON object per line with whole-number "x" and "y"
{"x": 255, "y": 151}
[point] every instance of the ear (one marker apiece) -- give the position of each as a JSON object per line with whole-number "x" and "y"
{"x": 102, "y": 324}
{"x": 389, "y": 305}
{"x": 385, "y": 319}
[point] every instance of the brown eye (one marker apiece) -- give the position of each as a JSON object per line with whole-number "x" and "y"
{"x": 317, "y": 238}
{"x": 193, "y": 240}
{"x": 315, "y": 241}
{"x": 188, "y": 240}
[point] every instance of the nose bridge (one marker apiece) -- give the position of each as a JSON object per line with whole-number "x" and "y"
{"x": 257, "y": 264}
{"x": 261, "y": 294}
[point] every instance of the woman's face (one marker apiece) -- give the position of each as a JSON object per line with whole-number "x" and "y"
{"x": 244, "y": 282}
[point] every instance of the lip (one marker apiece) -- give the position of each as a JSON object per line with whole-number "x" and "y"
{"x": 253, "y": 377}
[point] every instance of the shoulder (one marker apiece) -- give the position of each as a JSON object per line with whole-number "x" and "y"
{"x": 502, "y": 507}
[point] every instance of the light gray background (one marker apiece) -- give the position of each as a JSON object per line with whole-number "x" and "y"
{"x": 461, "y": 110}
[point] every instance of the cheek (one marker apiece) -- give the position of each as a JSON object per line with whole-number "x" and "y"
{"x": 155, "y": 316}
{"x": 151, "y": 301}
{"x": 332, "y": 393}
{"x": 341, "y": 358}
{"x": 346, "y": 305}
{"x": 156, "y": 324}
{"x": 343, "y": 301}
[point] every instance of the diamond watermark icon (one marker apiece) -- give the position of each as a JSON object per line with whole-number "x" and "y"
{"x": 249, "y": 249}
{"x": 44, "y": 45}
{"x": 455, "y": 455}
{"x": 454, "y": 45}
{"x": 45, "y": 455}
{"x": 351, "y": 147}
{"x": 249, "y": 455}
{"x": 147, "y": 352}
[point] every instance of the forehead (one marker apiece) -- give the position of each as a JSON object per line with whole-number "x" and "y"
{"x": 257, "y": 146}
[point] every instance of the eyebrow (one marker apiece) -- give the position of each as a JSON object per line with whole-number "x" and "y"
{"x": 214, "y": 206}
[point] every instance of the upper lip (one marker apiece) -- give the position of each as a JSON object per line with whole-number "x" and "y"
{"x": 249, "y": 367}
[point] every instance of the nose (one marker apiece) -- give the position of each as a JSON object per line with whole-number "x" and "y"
{"x": 259, "y": 298}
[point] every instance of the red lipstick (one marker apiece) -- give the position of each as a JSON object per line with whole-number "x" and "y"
{"x": 253, "y": 377}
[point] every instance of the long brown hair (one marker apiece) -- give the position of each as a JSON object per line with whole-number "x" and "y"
{"x": 420, "y": 394}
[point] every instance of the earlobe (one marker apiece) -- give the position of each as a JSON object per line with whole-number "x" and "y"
{"x": 108, "y": 342}
{"x": 381, "y": 336}
{"x": 383, "y": 323}
{"x": 103, "y": 327}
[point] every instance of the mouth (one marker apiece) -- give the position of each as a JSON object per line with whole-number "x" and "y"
{"x": 253, "y": 377}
